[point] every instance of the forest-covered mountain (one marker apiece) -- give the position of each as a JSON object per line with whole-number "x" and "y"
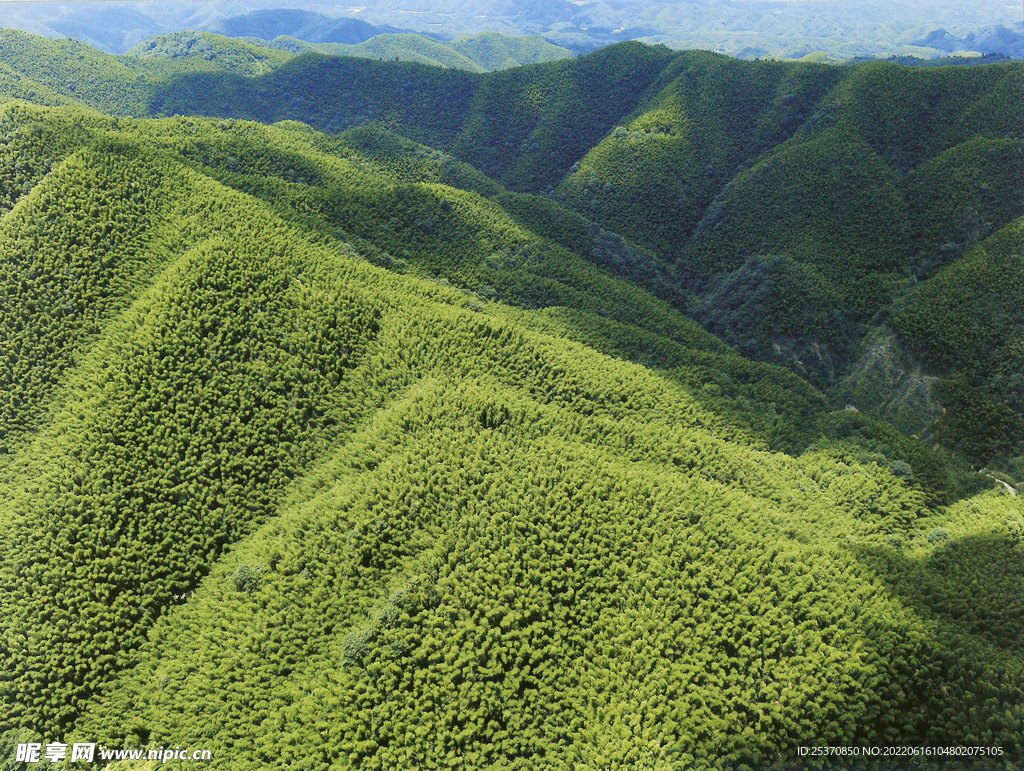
{"x": 485, "y": 52}
{"x": 813, "y": 216}
{"x": 304, "y": 430}
{"x": 313, "y": 27}
{"x": 479, "y": 53}
{"x": 995, "y": 40}
{"x": 625, "y": 411}
{"x": 116, "y": 27}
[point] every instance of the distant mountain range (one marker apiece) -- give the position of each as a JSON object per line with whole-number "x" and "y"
{"x": 305, "y": 25}
{"x": 744, "y": 28}
{"x": 994, "y": 40}
{"x": 486, "y": 52}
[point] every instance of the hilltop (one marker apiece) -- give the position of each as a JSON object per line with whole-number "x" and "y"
{"x": 311, "y": 26}
{"x": 479, "y": 53}
{"x": 234, "y": 56}
{"x": 332, "y": 450}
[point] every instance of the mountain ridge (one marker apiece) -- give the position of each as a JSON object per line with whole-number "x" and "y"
{"x": 733, "y": 157}
{"x": 324, "y": 436}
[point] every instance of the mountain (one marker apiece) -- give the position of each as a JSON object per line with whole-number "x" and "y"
{"x": 117, "y": 27}
{"x": 305, "y": 430}
{"x": 305, "y": 25}
{"x": 501, "y": 52}
{"x": 643, "y": 409}
{"x": 199, "y": 47}
{"x": 130, "y": 84}
{"x": 396, "y": 47}
{"x": 994, "y": 40}
{"x": 113, "y": 27}
{"x": 844, "y": 29}
{"x": 481, "y": 53}
{"x": 793, "y": 209}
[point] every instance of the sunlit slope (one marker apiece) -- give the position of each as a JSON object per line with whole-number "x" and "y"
{"x": 272, "y": 489}
{"x": 164, "y": 385}
{"x": 526, "y": 251}
{"x": 73, "y": 70}
{"x": 208, "y": 50}
{"x": 382, "y": 194}
{"x": 486, "y": 578}
{"x": 789, "y": 207}
{"x": 789, "y": 198}
{"x": 405, "y": 47}
{"x": 17, "y": 85}
{"x": 88, "y": 229}
{"x": 486, "y": 52}
{"x": 501, "y": 52}
{"x": 61, "y": 71}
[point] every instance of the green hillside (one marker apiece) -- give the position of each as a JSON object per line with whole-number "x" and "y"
{"x": 645, "y": 409}
{"x": 67, "y": 71}
{"x": 789, "y": 207}
{"x": 405, "y": 47}
{"x": 17, "y": 85}
{"x": 486, "y": 52}
{"x": 968, "y": 320}
{"x": 524, "y": 127}
{"x": 50, "y": 71}
{"x": 320, "y": 458}
{"x": 224, "y": 53}
{"x": 501, "y": 52}
{"x": 654, "y": 176}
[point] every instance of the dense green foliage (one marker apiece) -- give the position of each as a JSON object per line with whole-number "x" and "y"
{"x": 654, "y": 176}
{"x": 405, "y": 47}
{"x": 479, "y": 53}
{"x": 233, "y": 55}
{"x": 855, "y": 181}
{"x": 524, "y": 127}
{"x": 969, "y": 320}
{"x": 445, "y": 441}
{"x": 390, "y": 447}
{"x": 962, "y": 196}
{"x": 501, "y": 52}
{"x": 72, "y": 70}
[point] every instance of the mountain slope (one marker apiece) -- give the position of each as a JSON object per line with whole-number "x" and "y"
{"x": 789, "y": 207}
{"x": 968, "y": 320}
{"x": 302, "y": 489}
{"x": 480, "y": 53}
{"x": 232, "y": 55}
{"x": 524, "y": 127}
{"x": 389, "y": 47}
{"x": 305, "y": 25}
{"x": 501, "y": 52}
